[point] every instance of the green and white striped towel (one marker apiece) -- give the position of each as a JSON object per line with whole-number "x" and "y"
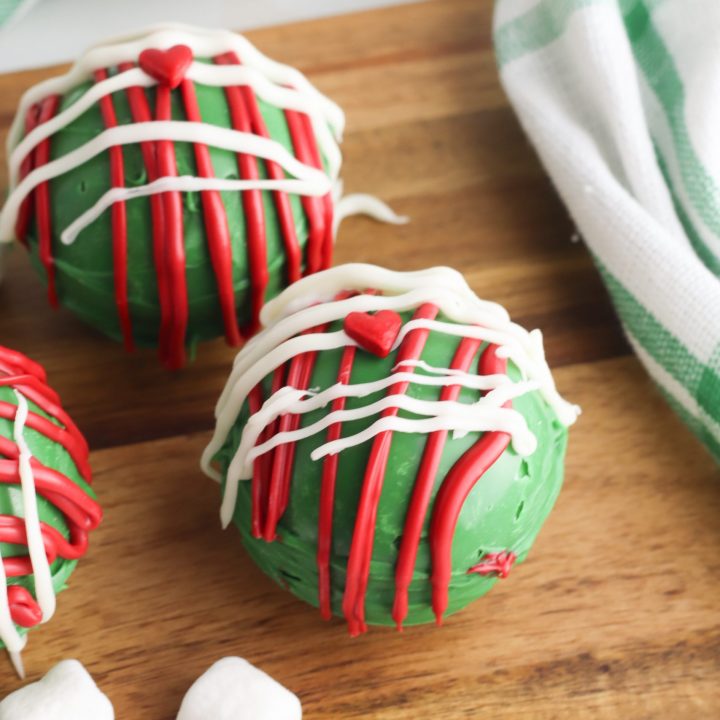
{"x": 10, "y": 7}
{"x": 621, "y": 99}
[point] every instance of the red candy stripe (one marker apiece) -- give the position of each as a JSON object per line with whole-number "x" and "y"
{"x": 172, "y": 334}
{"x": 24, "y": 609}
{"x": 449, "y": 501}
{"x": 35, "y": 390}
{"x": 326, "y": 200}
{"x": 327, "y": 491}
{"x": 48, "y": 108}
{"x": 12, "y": 530}
{"x": 55, "y": 433}
{"x": 140, "y": 111}
{"x": 118, "y": 214}
{"x": 420, "y": 500}
{"x": 257, "y": 488}
{"x": 329, "y": 481}
{"x": 20, "y": 364}
{"x": 283, "y": 208}
{"x": 168, "y": 239}
{"x": 358, "y": 567}
{"x": 216, "y": 223}
{"x": 299, "y": 374}
{"x": 79, "y": 508}
{"x": 263, "y": 465}
{"x": 312, "y": 205}
{"x": 252, "y": 205}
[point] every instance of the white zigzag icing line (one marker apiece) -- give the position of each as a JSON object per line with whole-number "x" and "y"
{"x": 309, "y": 303}
{"x": 268, "y": 79}
{"x": 42, "y": 574}
{"x": 311, "y": 180}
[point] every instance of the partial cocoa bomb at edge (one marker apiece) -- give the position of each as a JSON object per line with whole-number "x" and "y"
{"x": 47, "y": 504}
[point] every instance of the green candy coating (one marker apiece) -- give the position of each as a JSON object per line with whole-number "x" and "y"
{"x": 85, "y": 269}
{"x": 504, "y": 511}
{"x": 54, "y": 456}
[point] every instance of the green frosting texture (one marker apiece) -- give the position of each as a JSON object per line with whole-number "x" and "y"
{"x": 85, "y": 268}
{"x": 504, "y": 511}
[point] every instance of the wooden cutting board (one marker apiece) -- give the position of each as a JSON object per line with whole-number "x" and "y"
{"x": 616, "y": 614}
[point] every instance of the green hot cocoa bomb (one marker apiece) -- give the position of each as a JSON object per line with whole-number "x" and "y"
{"x": 379, "y": 548}
{"x": 174, "y": 268}
{"x": 33, "y": 424}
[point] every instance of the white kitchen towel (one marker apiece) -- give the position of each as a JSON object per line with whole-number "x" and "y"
{"x": 621, "y": 99}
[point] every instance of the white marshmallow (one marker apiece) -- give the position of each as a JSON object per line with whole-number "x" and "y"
{"x": 233, "y": 689}
{"x": 67, "y": 692}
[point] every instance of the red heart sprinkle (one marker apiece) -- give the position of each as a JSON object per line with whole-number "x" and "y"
{"x": 375, "y": 333}
{"x": 169, "y": 66}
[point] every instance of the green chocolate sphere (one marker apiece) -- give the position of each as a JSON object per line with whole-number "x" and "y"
{"x": 85, "y": 270}
{"x": 49, "y": 453}
{"x": 504, "y": 511}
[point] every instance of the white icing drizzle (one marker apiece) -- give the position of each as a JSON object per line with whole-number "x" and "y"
{"x": 203, "y": 42}
{"x": 184, "y": 183}
{"x": 44, "y": 591}
{"x": 131, "y": 78}
{"x": 203, "y": 74}
{"x": 311, "y": 180}
{"x": 364, "y": 204}
{"x": 276, "y": 83}
{"x": 309, "y": 303}
{"x": 486, "y": 414}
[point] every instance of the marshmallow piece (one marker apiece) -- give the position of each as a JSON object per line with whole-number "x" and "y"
{"x": 67, "y": 692}
{"x": 233, "y": 689}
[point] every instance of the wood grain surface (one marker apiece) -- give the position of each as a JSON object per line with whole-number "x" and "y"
{"x": 616, "y": 614}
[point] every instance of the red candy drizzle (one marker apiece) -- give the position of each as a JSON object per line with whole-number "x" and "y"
{"x": 496, "y": 563}
{"x": 273, "y": 472}
{"x": 301, "y": 135}
{"x": 172, "y": 335}
{"x": 23, "y": 608}
{"x": 269, "y": 502}
{"x": 118, "y": 214}
{"x": 216, "y": 223}
{"x": 461, "y": 479}
{"x": 298, "y": 376}
{"x": 420, "y": 499}
{"x": 243, "y": 107}
{"x": 82, "y": 514}
{"x": 170, "y": 67}
{"x": 327, "y": 491}
{"x": 358, "y": 568}
{"x": 47, "y": 109}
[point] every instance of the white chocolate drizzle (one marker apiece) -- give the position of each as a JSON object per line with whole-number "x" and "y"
{"x": 364, "y": 204}
{"x": 13, "y": 641}
{"x": 309, "y": 180}
{"x": 277, "y": 84}
{"x": 310, "y": 303}
{"x": 44, "y": 590}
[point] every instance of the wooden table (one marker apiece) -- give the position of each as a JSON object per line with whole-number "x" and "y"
{"x": 617, "y": 612}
